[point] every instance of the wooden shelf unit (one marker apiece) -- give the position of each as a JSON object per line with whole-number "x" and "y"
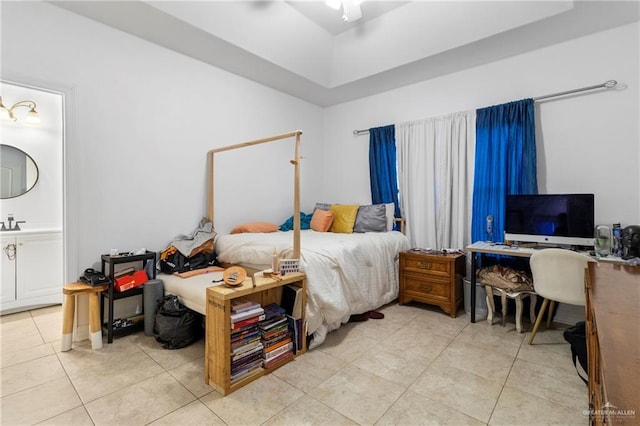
{"x": 218, "y": 326}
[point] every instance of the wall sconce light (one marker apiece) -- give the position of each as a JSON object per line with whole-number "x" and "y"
{"x": 6, "y": 114}
{"x": 350, "y": 9}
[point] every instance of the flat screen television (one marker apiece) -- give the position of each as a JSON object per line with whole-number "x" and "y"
{"x": 553, "y": 219}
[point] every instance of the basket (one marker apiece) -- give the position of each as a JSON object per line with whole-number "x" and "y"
{"x": 288, "y": 266}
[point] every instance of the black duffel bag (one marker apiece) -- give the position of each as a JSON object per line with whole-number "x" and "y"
{"x": 176, "y": 326}
{"x": 577, "y": 338}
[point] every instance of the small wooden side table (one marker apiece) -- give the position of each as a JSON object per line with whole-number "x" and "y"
{"x": 434, "y": 278}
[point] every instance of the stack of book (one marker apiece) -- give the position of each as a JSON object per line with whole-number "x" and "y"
{"x": 246, "y": 343}
{"x": 275, "y": 336}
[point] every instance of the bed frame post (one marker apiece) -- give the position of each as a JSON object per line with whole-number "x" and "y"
{"x": 296, "y": 180}
{"x": 210, "y": 194}
{"x": 296, "y": 200}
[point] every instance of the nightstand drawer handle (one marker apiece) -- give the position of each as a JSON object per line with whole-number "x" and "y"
{"x": 424, "y": 265}
{"x": 426, "y": 289}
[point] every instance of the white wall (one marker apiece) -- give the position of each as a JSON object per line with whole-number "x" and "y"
{"x": 586, "y": 143}
{"x": 143, "y": 119}
{"x": 41, "y": 207}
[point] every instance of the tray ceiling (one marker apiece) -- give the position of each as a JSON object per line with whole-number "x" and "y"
{"x": 305, "y": 49}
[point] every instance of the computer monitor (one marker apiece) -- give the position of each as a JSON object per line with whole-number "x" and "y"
{"x": 553, "y": 219}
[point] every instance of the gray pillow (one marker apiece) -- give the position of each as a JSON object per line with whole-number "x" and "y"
{"x": 322, "y": 206}
{"x": 371, "y": 219}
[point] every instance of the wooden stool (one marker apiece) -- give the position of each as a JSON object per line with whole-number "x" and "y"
{"x": 70, "y": 292}
{"x": 518, "y": 296}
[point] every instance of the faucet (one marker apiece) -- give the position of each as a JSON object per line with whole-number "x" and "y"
{"x": 11, "y": 227}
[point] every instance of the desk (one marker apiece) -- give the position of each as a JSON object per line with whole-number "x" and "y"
{"x": 490, "y": 248}
{"x": 613, "y": 330}
{"x": 494, "y": 248}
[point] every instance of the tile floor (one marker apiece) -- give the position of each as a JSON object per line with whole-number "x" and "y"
{"x": 417, "y": 366}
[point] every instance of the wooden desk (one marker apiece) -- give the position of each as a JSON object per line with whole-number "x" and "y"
{"x": 613, "y": 342}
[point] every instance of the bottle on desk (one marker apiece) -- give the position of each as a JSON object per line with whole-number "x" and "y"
{"x": 489, "y": 228}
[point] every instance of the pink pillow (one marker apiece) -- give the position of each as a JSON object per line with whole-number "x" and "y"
{"x": 255, "y": 227}
{"x": 321, "y": 220}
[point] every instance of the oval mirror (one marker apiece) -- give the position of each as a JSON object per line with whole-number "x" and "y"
{"x": 18, "y": 172}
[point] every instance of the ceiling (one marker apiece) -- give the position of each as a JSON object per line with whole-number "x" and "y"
{"x": 303, "y": 48}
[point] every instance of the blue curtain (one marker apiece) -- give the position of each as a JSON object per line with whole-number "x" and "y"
{"x": 505, "y": 162}
{"x": 382, "y": 166}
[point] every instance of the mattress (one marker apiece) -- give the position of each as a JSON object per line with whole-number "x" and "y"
{"x": 192, "y": 291}
{"x": 346, "y": 273}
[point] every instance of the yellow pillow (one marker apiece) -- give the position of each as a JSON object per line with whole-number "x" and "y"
{"x": 344, "y": 217}
{"x": 321, "y": 220}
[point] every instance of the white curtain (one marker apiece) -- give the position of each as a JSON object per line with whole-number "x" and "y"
{"x": 435, "y": 179}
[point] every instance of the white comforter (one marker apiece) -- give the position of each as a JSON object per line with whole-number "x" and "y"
{"x": 346, "y": 273}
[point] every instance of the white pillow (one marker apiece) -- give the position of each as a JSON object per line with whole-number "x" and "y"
{"x": 390, "y": 213}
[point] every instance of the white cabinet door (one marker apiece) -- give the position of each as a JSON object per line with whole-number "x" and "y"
{"x": 39, "y": 267}
{"x": 8, "y": 264}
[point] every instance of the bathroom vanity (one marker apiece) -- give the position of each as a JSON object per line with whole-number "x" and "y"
{"x": 32, "y": 269}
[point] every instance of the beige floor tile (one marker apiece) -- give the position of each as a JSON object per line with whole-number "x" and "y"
{"x": 308, "y": 411}
{"x": 400, "y": 313}
{"x": 415, "y": 409}
{"x": 347, "y": 344}
{"x": 170, "y": 358}
{"x": 191, "y": 375}
{"x": 254, "y": 403}
{"x": 495, "y": 337}
{"x": 77, "y": 417}
{"x": 552, "y": 384}
{"x": 23, "y": 342}
{"x": 47, "y": 310}
{"x": 378, "y": 329}
{"x": 466, "y": 392}
{"x": 29, "y": 374}
{"x": 18, "y": 316}
{"x": 416, "y": 342}
{"x": 192, "y": 414}
{"x": 357, "y": 394}
{"x": 141, "y": 403}
{"x": 516, "y": 407}
{"x": 482, "y": 361}
{"x": 434, "y": 319}
{"x": 125, "y": 370}
{"x": 49, "y": 322}
{"x": 309, "y": 370}
{"x": 557, "y": 355}
{"x": 18, "y": 331}
{"x": 548, "y": 336}
{"x": 396, "y": 366}
{"x": 32, "y": 353}
{"x": 39, "y": 403}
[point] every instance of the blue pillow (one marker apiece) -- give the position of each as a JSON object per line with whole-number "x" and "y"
{"x": 305, "y": 222}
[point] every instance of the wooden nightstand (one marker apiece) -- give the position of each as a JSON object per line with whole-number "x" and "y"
{"x": 435, "y": 279}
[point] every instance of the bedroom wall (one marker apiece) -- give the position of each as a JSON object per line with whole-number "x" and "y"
{"x": 143, "y": 118}
{"x": 586, "y": 143}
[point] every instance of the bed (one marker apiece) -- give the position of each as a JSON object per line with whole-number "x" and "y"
{"x": 346, "y": 273}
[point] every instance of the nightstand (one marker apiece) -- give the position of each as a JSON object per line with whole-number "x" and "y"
{"x": 432, "y": 278}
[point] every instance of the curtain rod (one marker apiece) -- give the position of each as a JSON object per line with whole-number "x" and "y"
{"x": 609, "y": 84}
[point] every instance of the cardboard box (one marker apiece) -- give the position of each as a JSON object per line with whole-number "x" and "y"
{"x": 127, "y": 282}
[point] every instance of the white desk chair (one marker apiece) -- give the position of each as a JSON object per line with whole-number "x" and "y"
{"x": 558, "y": 276}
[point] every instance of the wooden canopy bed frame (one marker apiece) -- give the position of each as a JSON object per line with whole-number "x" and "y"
{"x": 296, "y": 179}
{"x": 346, "y": 273}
